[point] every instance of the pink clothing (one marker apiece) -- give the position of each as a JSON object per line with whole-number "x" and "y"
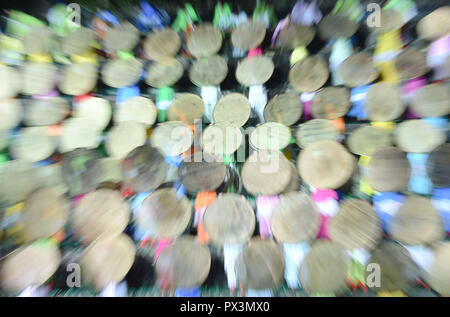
{"x": 324, "y": 194}
{"x": 162, "y": 244}
{"x": 323, "y": 232}
{"x": 257, "y": 51}
{"x": 264, "y": 208}
{"x": 409, "y": 88}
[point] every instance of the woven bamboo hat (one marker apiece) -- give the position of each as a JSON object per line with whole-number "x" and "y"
{"x": 266, "y": 173}
{"x": 229, "y": 219}
{"x": 367, "y": 139}
{"x": 254, "y": 70}
{"x": 38, "y": 78}
{"x": 172, "y": 138}
{"x": 397, "y": 268}
{"x": 107, "y": 260}
{"x": 78, "y": 41}
{"x": 123, "y": 37}
{"x": 78, "y": 133}
{"x": 95, "y": 109}
{"x": 418, "y": 136}
{"x": 438, "y": 276}
{"x": 51, "y": 176}
{"x": 435, "y": 25}
{"x": 121, "y": 72}
{"x": 358, "y": 70}
{"x": 309, "y": 74}
{"x": 248, "y": 35}
{"x": 144, "y": 169}
{"x": 389, "y": 170}
{"x": 411, "y": 63}
{"x": 233, "y": 108}
{"x": 270, "y": 136}
{"x": 79, "y": 170}
{"x": 204, "y": 174}
{"x": 100, "y": 213}
{"x": 355, "y": 226}
{"x": 186, "y": 107}
{"x": 208, "y": 71}
{"x": 334, "y": 26}
{"x": 78, "y": 78}
{"x": 32, "y": 145}
{"x": 45, "y": 213}
{"x": 432, "y": 100}
{"x": 325, "y": 164}
{"x": 162, "y": 44}
{"x": 438, "y": 166}
{"x": 390, "y": 19}
{"x": 316, "y": 130}
{"x": 331, "y": 103}
{"x": 185, "y": 263}
{"x": 11, "y": 82}
{"x": 295, "y": 35}
{"x": 44, "y": 112}
{"x": 221, "y": 138}
{"x": 417, "y": 222}
{"x": 286, "y": 108}
{"x": 260, "y": 265}
{"x": 324, "y": 269}
{"x": 384, "y": 102}
{"x": 38, "y": 40}
{"x": 125, "y": 137}
{"x": 162, "y": 75}
{"x": 164, "y": 214}
{"x": 11, "y": 112}
{"x": 204, "y": 41}
{"x": 137, "y": 109}
{"x": 295, "y": 219}
{"x": 30, "y": 265}
{"x": 109, "y": 172}
{"x": 17, "y": 180}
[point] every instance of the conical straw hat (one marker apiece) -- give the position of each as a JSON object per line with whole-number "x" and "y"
{"x": 123, "y": 37}
{"x": 32, "y": 145}
{"x": 78, "y": 133}
{"x": 107, "y": 260}
{"x": 38, "y": 78}
{"x": 309, "y": 74}
{"x": 205, "y": 174}
{"x": 254, "y": 70}
{"x": 248, "y": 35}
{"x": 418, "y": 136}
{"x": 164, "y": 214}
{"x": 411, "y": 63}
{"x": 260, "y": 265}
{"x": 270, "y": 136}
{"x": 11, "y": 82}
{"x": 324, "y": 269}
{"x": 266, "y": 173}
{"x": 356, "y": 225}
{"x": 295, "y": 219}
{"x": 389, "y": 170}
{"x": 325, "y": 164}
{"x": 384, "y": 102}
{"x": 284, "y": 108}
{"x": 334, "y": 26}
{"x": 229, "y": 219}
{"x": 208, "y": 71}
{"x": 417, "y": 222}
{"x": 30, "y": 265}
{"x": 358, "y": 70}
{"x": 233, "y": 108}
{"x": 432, "y": 100}
{"x": 125, "y": 137}
{"x": 11, "y": 112}
{"x": 78, "y": 78}
{"x": 137, "y": 109}
{"x": 390, "y": 20}
{"x": 161, "y": 44}
{"x": 38, "y": 40}
{"x": 438, "y": 277}
{"x": 162, "y": 75}
{"x": 144, "y": 169}
{"x": 172, "y": 138}
{"x": 100, "y": 213}
{"x": 435, "y": 25}
{"x": 121, "y": 72}
{"x": 204, "y": 41}
{"x": 44, "y": 214}
{"x": 331, "y": 103}
{"x": 316, "y": 130}
{"x": 44, "y": 112}
{"x": 367, "y": 139}
{"x": 97, "y": 110}
{"x": 221, "y": 138}
{"x": 295, "y": 35}
{"x": 186, "y": 107}
{"x": 17, "y": 180}
{"x": 78, "y": 41}
{"x": 186, "y": 263}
